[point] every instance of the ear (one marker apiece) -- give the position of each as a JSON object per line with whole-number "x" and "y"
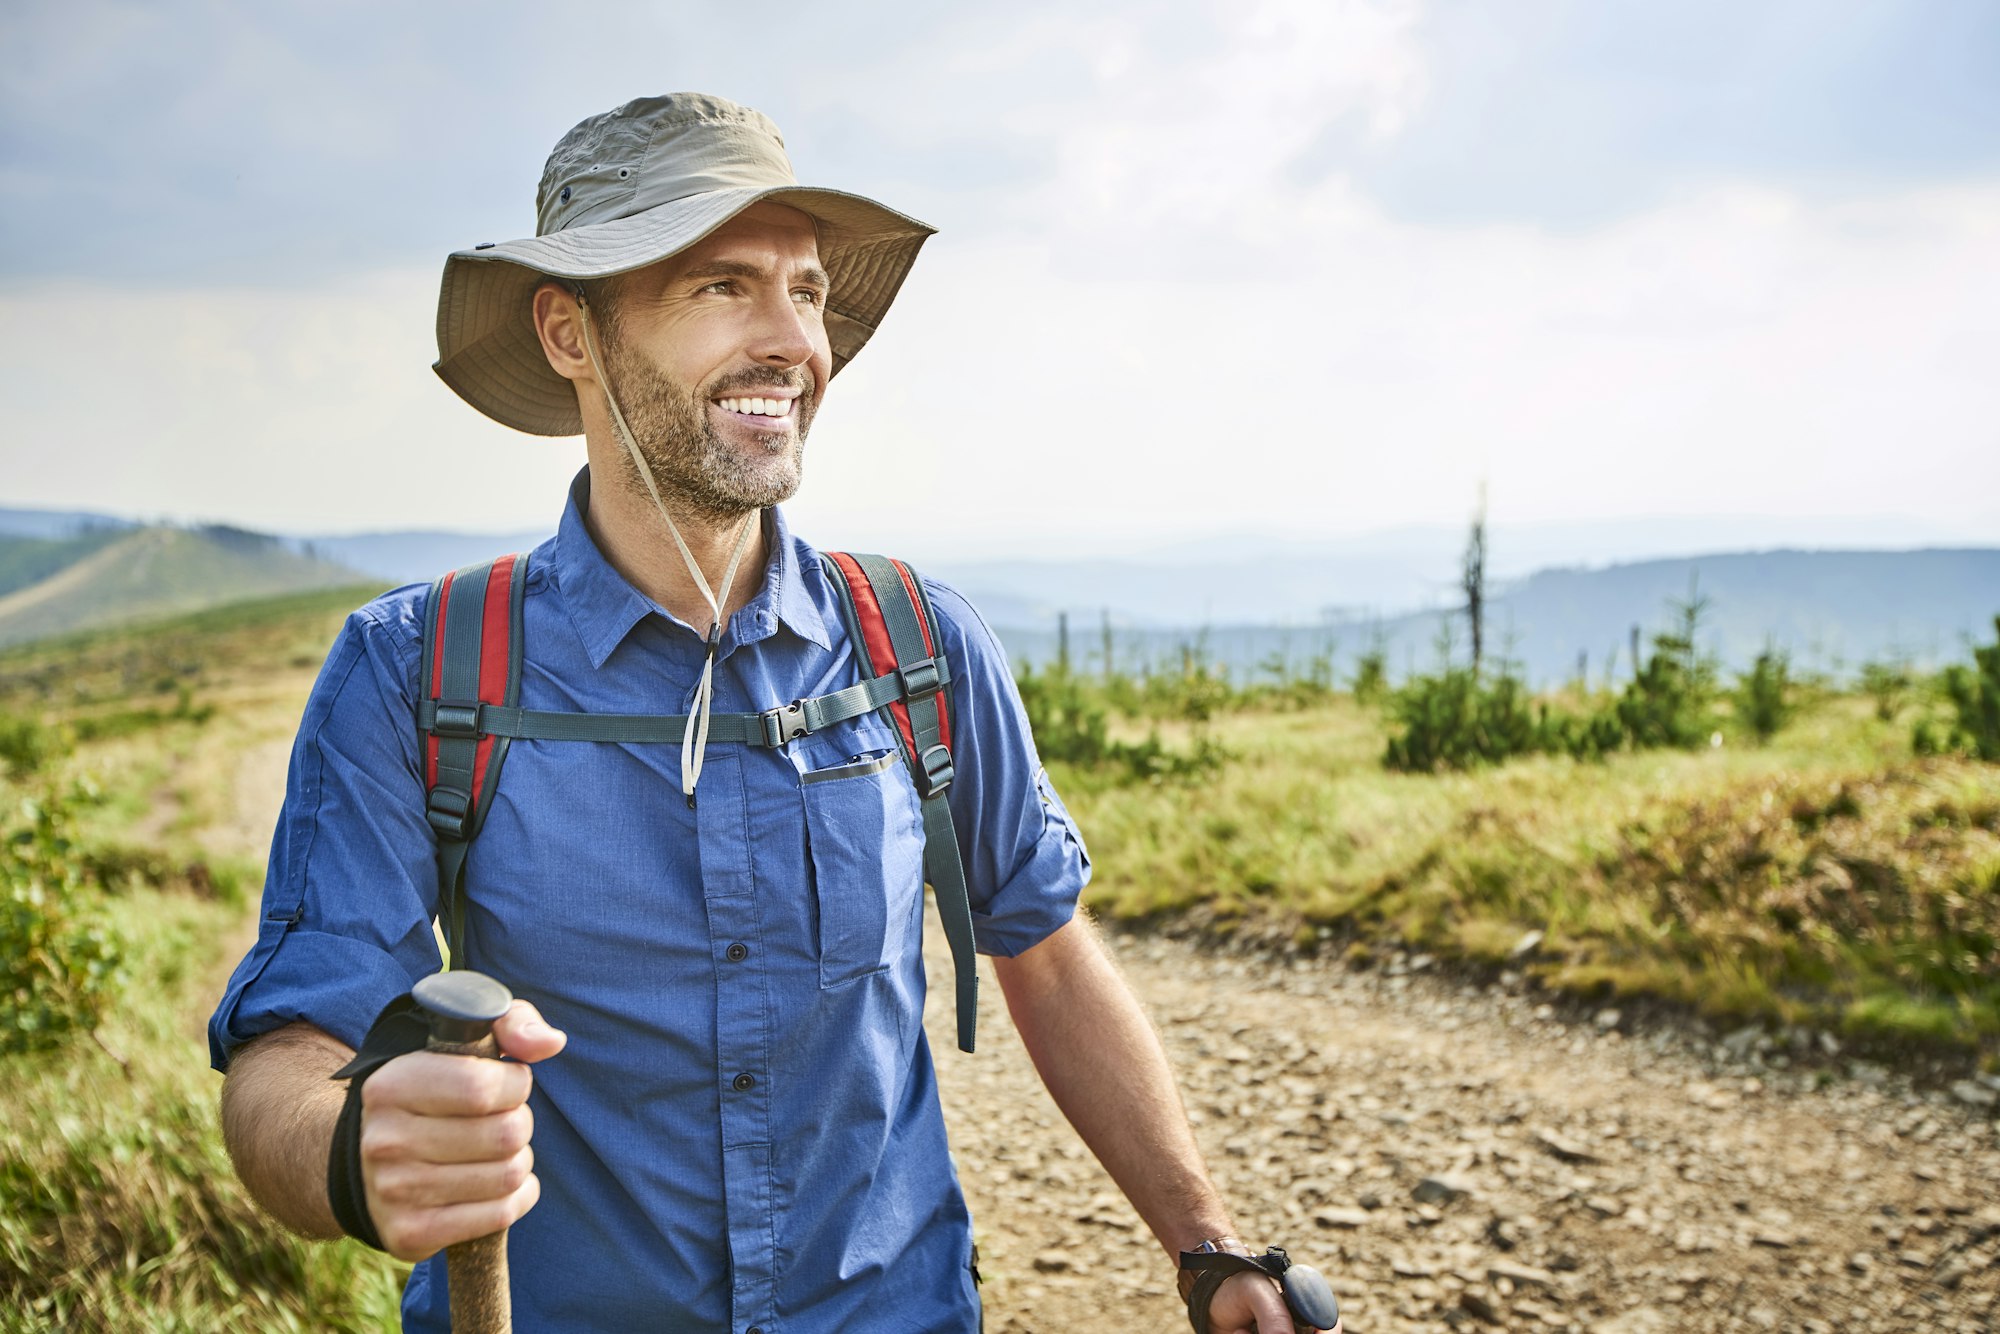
{"x": 559, "y": 324}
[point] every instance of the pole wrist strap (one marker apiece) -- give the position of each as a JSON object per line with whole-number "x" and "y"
{"x": 398, "y": 1030}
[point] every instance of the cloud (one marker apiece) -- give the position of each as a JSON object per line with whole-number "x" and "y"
{"x": 1737, "y": 351}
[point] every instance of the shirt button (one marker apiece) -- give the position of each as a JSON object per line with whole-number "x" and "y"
{"x": 737, "y": 952}
{"x": 743, "y": 1083}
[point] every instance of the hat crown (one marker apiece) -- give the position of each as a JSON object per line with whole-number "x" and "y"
{"x": 653, "y": 151}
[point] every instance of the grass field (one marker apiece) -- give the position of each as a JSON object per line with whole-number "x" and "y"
{"x": 1831, "y": 879}
{"x": 118, "y": 1207}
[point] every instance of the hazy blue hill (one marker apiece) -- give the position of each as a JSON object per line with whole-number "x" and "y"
{"x": 412, "y": 557}
{"x": 1829, "y": 607}
{"x": 1830, "y": 610}
{"x": 29, "y": 560}
{"x": 58, "y": 523}
{"x": 151, "y": 572}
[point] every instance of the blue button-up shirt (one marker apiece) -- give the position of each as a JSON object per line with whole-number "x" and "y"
{"x": 743, "y": 1132}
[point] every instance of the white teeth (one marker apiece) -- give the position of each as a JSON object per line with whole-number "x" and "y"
{"x": 757, "y": 407}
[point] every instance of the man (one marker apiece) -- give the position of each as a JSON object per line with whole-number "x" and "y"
{"x": 737, "y": 1127}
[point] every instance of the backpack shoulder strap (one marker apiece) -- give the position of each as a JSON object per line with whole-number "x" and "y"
{"x": 472, "y": 656}
{"x": 894, "y": 632}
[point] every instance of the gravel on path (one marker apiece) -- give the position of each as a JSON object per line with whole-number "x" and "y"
{"x": 1463, "y": 1158}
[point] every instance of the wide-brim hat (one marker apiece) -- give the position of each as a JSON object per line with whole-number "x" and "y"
{"x": 630, "y": 188}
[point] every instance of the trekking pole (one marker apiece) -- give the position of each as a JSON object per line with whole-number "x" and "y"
{"x": 461, "y": 1007}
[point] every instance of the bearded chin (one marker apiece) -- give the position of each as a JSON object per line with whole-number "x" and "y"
{"x": 694, "y": 467}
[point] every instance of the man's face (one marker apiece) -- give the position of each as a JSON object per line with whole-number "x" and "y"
{"x": 718, "y": 357}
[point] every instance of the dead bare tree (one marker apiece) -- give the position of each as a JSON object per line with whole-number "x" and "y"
{"x": 1472, "y": 580}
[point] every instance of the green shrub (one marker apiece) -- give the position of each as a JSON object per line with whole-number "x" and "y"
{"x": 1765, "y": 697}
{"x": 59, "y": 960}
{"x": 25, "y": 745}
{"x": 1970, "y": 695}
{"x": 1070, "y": 721}
{"x": 1456, "y": 720}
{"x": 1585, "y": 736}
{"x": 1888, "y": 685}
{"x": 1974, "y": 695}
{"x": 1371, "y": 674}
{"x": 1669, "y": 702}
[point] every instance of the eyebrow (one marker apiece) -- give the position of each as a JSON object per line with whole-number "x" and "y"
{"x": 732, "y": 268}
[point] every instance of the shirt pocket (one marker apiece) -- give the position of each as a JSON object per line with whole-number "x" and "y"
{"x": 864, "y": 831}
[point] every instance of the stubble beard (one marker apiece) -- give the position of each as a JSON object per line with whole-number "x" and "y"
{"x": 697, "y": 471}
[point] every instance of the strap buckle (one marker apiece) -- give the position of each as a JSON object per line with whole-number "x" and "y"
{"x": 921, "y": 680}
{"x": 449, "y": 810}
{"x": 784, "y": 724}
{"x": 457, "y": 719}
{"x": 934, "y": 771}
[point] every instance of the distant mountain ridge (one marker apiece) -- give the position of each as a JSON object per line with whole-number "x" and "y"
{"x": 59, "y": 523}
{"x": 1829, "y": 608}
{"x": 412, "y": 557}
{"x": 142, "y": 573}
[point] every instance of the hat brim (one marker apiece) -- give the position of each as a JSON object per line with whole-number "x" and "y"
{"x": 488, "y": 351}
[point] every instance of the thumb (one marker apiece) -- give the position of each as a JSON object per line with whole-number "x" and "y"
{"x": 525, "y": 1035}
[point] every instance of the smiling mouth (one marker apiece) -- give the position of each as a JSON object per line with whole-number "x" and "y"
{"x": 766, "y": 409}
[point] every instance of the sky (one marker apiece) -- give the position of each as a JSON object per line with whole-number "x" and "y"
{"x": 1206, "y": 270}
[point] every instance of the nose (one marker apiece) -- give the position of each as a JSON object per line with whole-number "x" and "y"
{"x": 785, "y": 334}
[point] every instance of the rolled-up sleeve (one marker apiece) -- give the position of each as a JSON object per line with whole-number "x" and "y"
{"x": 351, "y": 886}
{"x": 1025, "y": 862}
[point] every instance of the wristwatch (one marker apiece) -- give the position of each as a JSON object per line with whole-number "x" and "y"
{"x": 1223, "y": 1245}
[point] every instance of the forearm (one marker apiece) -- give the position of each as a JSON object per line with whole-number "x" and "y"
{"x": 279, "y": 1106}
{"x": 1104, "y": 1065}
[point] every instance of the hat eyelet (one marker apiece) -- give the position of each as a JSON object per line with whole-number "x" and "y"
{"x": 623, "y": 172}
{"x": 563, "y": 198}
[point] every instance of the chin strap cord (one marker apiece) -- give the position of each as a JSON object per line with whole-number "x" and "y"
{"x": 694, "y": 745}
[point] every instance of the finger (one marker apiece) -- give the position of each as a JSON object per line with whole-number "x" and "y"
{"x": 433, "y": 1084}
{"x": 420, "y": 1185}
{"x": 1248, "y": 1301}
{"x": 395, "y": 1136}
{"x": 1267, "y": 1304}
{"x": 526, "y": 1036}
{"x": 419, "y": 1234}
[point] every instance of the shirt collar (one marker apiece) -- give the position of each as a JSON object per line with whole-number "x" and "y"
{"x": 604, "y": 607}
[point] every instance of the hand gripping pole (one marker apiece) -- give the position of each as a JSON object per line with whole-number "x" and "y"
{"x": 461, "y": 1007}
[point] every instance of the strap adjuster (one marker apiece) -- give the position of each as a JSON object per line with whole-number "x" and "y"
{"x": 921, "y": 680}
{"x": 449, "y": 810}
{"x": 784, "y": 723}
{"x": 934, "y": 771}
{"x": 456, "y": 718}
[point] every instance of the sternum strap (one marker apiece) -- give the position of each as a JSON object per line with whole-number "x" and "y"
{"x": 750, "y": 729}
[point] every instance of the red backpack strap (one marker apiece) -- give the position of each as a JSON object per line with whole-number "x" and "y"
{"x": 894, "y": 632}
{"x": 471, "y": 659}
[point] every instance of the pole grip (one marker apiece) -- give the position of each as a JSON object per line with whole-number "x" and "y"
{"x": 461, "y": 1006}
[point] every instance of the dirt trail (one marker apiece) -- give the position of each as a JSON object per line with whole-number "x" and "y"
{"x": 1456, "y": 1158}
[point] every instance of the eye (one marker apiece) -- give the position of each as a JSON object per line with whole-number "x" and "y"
{"x": 810, "y": 296}
{"x": 720, "y": 285}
